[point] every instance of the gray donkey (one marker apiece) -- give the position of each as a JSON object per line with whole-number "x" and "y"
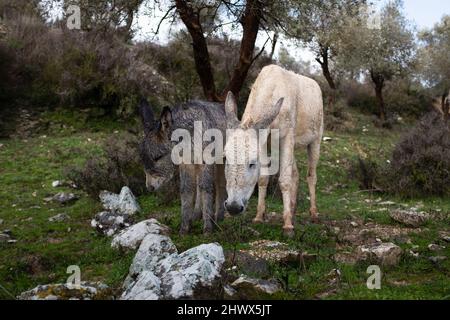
{"x": 200, "y": 184}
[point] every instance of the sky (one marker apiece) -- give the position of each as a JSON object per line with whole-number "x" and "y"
{"x": 425, "y": 13}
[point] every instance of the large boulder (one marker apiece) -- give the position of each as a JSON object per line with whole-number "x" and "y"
{"x": 131, "y": 238}
{"x": 124, "y": 203}
{"x": 159, "y": 272}
{"x": 86, "y": 291}
{"x": 387, "y": 254}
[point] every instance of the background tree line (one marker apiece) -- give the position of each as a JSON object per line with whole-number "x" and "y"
{"x": 384, "y": 69}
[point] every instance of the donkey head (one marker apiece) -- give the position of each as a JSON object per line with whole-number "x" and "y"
{"x": 242, "y": 165}
{"x": 155, "y": 149}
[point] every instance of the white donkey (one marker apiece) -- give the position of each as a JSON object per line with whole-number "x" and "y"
{"x": 293, "y": 104}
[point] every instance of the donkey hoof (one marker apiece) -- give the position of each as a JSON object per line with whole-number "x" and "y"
{"x": 258, "y": 221}
{"x": 288, "y": 232}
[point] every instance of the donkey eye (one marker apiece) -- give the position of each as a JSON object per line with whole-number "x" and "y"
{"x": 252, "y": 165}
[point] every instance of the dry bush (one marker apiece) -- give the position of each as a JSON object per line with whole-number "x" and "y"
{"x": 338, "y": 118}
{"x": 118, "y": 166}
{"x": 57, "y": 66}
{"x": 420, "y": 164}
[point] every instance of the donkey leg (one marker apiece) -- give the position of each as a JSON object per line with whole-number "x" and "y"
{"x": 313, "y": 159}
{"x": 198, "y": 202}
{"x": 207, "y": 194}
{"x": 263, "y": 182}
{"x": 221, "y": 192}
{"x": 187, "y": 191}
{"x": 286, "y": 181}
{"x": 294, "y": 189}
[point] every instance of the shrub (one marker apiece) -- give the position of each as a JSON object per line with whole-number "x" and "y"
{"x": 338, "y": 118}
{"x": 118, "y": 166}
{"x": 420, "y": 163}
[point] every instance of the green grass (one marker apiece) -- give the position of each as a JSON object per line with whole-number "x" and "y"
{"x": 44, "y": 250}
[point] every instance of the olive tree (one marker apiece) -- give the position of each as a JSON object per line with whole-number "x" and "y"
{"x": 434, "y": 57}
{"x": 381, "y": 52}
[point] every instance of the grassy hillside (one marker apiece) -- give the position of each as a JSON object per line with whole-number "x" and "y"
{"x": 44, "y": 249}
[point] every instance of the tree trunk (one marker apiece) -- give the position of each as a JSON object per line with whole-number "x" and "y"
{"x": 201, "y": 54}
{"x": 378, "y": 80}
{"x": 250, "y": 23}
{"x": 274, "y": 45}
{"x": 324, "y": 62}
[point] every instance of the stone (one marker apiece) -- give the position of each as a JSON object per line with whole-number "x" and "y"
{"x": 59, "y": 218}
{"x": 435, "y": 247}
{"x": 409, "y": 218}
{"x": 109, "y": 223}
{"x": 273, "y": 251}
{"x": 387, "y": 254}
{"x": 159, "y": 272}
{"x": 63, "y": 198}
{"x": 86, "y": 291}
{"x": 253, "y": 289}
{"x": 57, "y": 183}
{"x": 229, "y": 293}
{"x": 124, "y": 203}
{"x": 4, "y": 238}
{"x": 437, "y": 259}
{"x": 445, "y": 236}
{"x": 131, "y": 237}
{"x": 1, "y": 222}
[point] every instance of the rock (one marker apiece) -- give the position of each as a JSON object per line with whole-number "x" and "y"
{"x": 124, "y": 203}
{"x": 445, "y": 236}
{"x": 354, "y": 224}
{"x": 131, "y": 238}
{"x": 86, "y": 291}
{"x": 1, "y": 222}
{"x": 346, "y": 257}
{"x": 229, "y": 293}
{"x": 410, "y": 218}
{"x": 387, "y": 254}
{"x": 253, "y": 289}
{"x": 437, "y": 259}
{"x": 4, "y": 238}
{"x": 62, "y": 198}
{"x": 59, "y": 218}
{"x": 327, "y": 139}
{"x": 109, "y": 223}
{"x": 435, "y": 247}
{"x": 57, "y": 183}
{"x": 273, "y": 251}
{"x": 159, "y": 272}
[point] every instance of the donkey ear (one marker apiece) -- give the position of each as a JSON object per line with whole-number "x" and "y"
{"x": 147, "y": 116}
{"x": 269, "y": 116}
{"x": 166, "y": 120}
{"x": 231, "y": 111}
